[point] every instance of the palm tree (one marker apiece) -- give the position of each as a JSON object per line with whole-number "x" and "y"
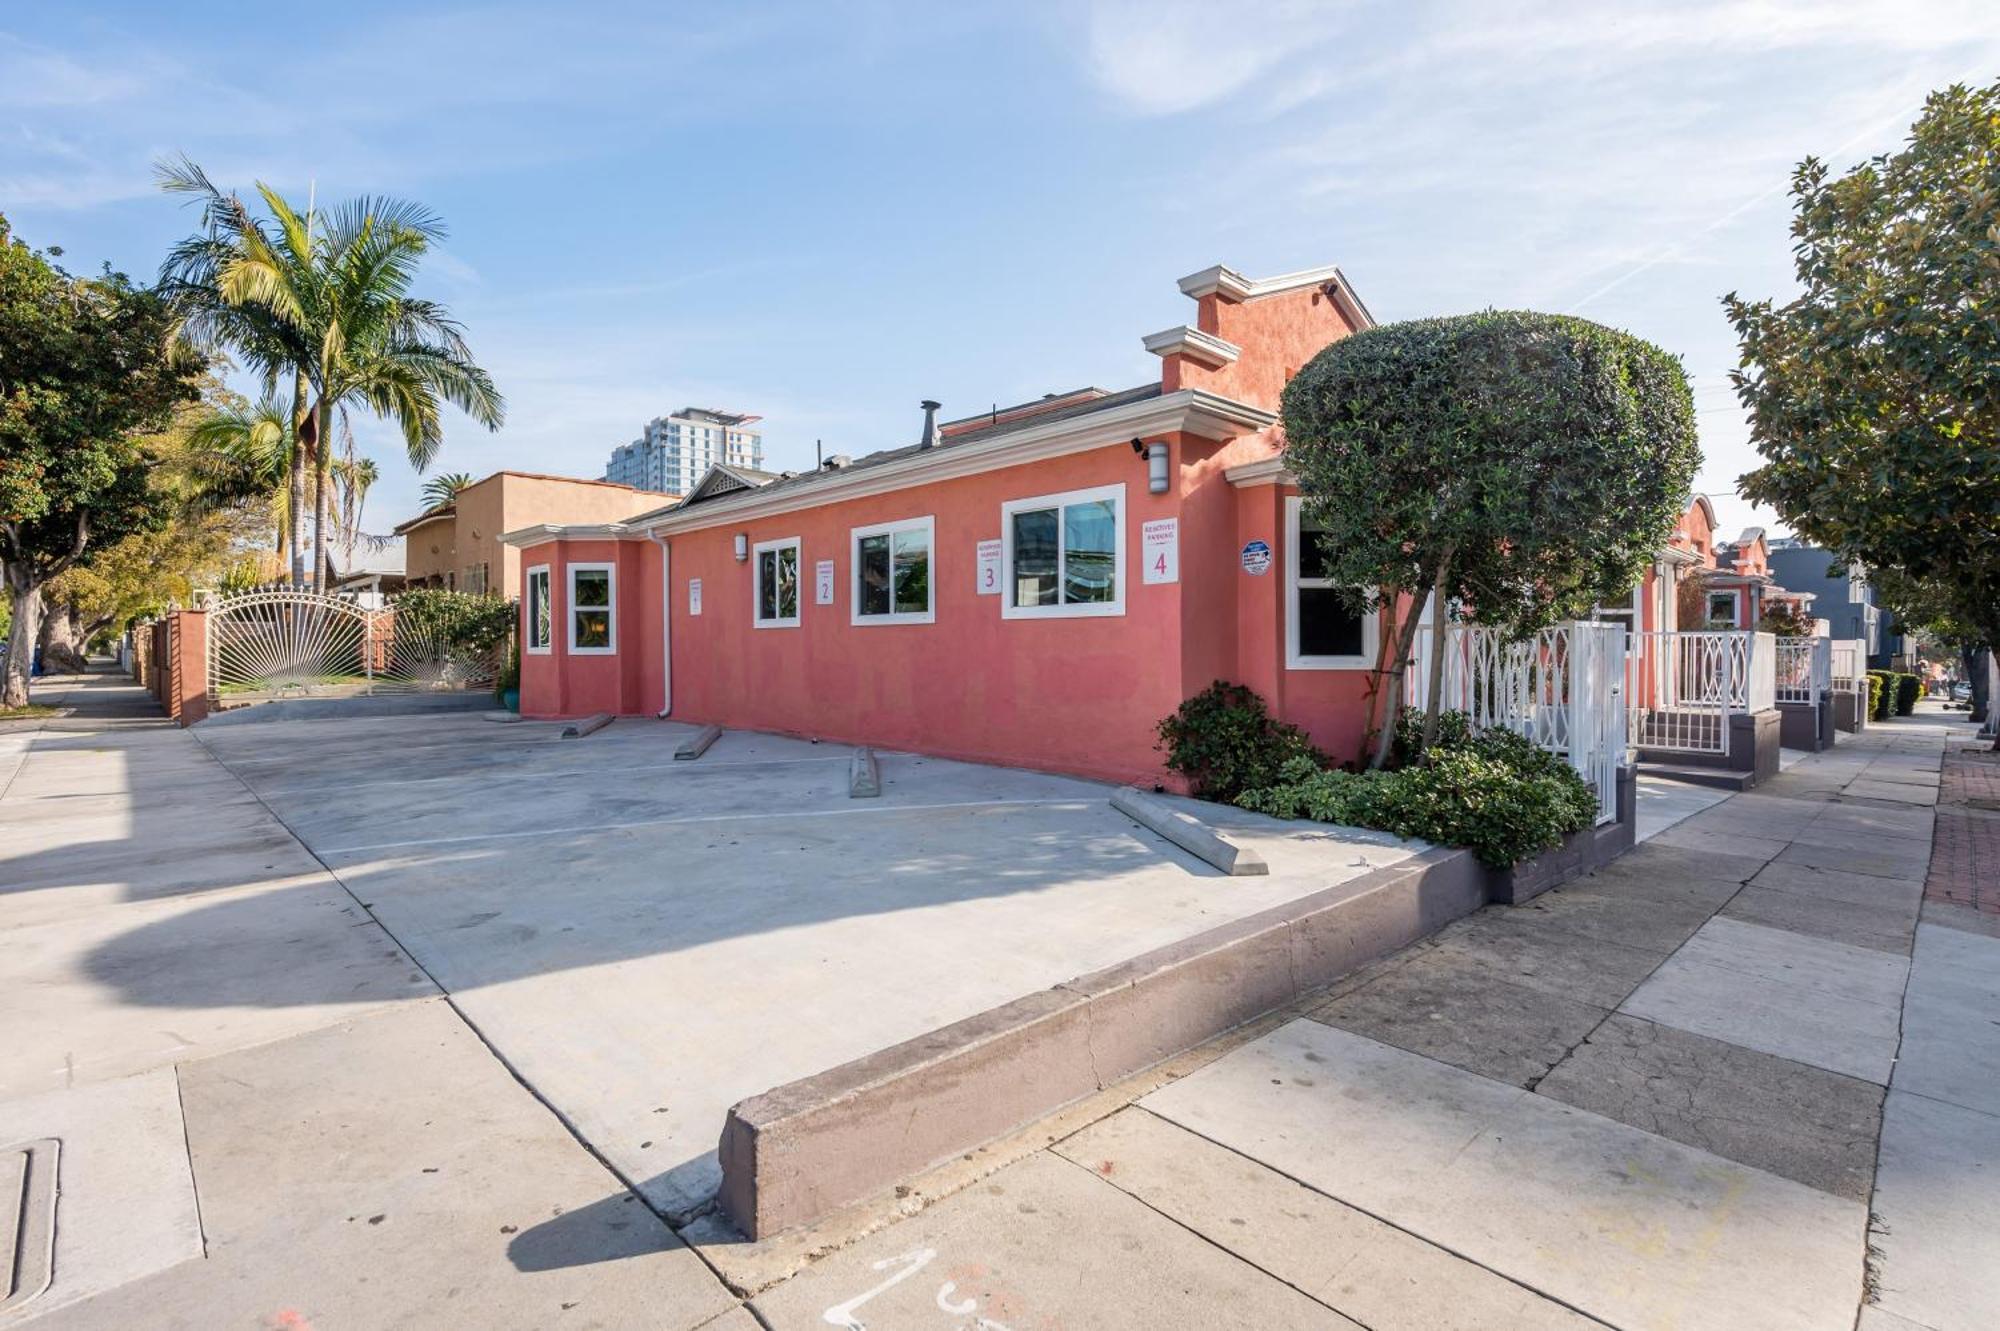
{"x": 334, "y": 288}
{"x": 246, "y": 449}
{"x": 442, "y": 488}
{"x": 355, "y": 476}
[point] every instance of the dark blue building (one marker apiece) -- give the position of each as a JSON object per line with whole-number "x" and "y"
{"x": 1841, "y": 596}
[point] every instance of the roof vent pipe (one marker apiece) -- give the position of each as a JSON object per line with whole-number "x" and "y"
{"x": 930, "y": 423}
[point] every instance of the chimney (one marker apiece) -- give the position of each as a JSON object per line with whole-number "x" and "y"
{"x": 930, "y": 424}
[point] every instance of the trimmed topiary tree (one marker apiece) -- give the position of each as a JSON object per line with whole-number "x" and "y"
{"x": 1526, "y": 466}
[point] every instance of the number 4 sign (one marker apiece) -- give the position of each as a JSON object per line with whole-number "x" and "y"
{"x": 1160, "y": 550}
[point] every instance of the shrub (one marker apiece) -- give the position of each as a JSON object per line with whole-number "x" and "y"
{"x": 1874, "y": 696}
{"x": 1881, "y": 694}
{"x": 1224, "y": 741}
{"x": 1908, "y": 689}
{"x": 1495, "y": 793}
{"x": 509, "y": 676}
{"x": 457, "y": 620}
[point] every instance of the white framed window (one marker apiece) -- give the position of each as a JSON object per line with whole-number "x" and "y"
{"x": 1062, "y": 556}
{"x": 775, "y": 584}
{"x": 1722, "y": 606}
{"x": 1322, "y": 632}
{"x": 593, "y": 609}
{"x": 540, "y": 614}
{"x": 892, "y": 572}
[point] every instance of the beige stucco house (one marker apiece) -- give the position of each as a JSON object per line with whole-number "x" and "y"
{"x": 457, "y": 545}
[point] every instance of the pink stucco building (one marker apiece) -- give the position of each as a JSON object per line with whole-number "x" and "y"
{"x": 1036, "y": 585}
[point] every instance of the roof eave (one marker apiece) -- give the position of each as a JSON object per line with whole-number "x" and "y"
{"x": 1189, "y": 411}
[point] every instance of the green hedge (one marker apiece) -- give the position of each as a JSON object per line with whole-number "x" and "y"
{"x": 1908, "y": 689}
{"x": 1875, "y": 692}
{"x": 1224, "y": 741}
{"x": 1881, "y": 694}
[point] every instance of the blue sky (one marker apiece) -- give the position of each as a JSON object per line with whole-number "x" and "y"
{"x": 824, "y": 213}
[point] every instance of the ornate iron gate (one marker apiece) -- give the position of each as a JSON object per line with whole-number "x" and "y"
{"x": 266, "y": 645}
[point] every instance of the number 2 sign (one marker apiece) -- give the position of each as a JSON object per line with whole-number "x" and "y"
{"x": 1160, "y": 550}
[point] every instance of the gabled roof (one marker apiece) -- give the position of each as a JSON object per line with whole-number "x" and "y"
{"x": 721, "y": 479}
{"x": 446, "y": 510}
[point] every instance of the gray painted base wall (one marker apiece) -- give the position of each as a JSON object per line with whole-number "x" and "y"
{"x": 1754, "y": 741}
{"x": 1804, "y": 725}
{"x": 381, "y": 704}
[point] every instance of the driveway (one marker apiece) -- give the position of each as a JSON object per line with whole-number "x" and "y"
{"x": 336, "y": 940}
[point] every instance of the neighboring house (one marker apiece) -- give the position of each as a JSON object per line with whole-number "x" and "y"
{"x": 1036, "y": 585}
{"x": 1842, "y": 595}
{"x": 676, "y": 451}
{"x": 376, "y": 572}
{"x": 457, "y": 545}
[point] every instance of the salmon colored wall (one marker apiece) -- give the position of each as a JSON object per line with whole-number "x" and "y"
{"x": 1277, "y": 334}
{"x": 629, "y": 683}
{"x": 1076, "y": 695}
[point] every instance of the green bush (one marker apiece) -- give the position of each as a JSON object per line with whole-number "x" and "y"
{"x": 509, "y": 676}
{"x": 457, "y": 620}
{"x": 1495, "y": 793}
{"x": 1908, "y": 689}
{"x": 1881, "y": 694}
{"x": 1225, "y": 741}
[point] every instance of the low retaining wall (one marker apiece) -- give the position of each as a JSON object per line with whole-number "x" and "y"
{"x": 794, "y": 1154}
{"x": 1850, "y": 711}
{"x": 1804, "y": 725}
{"x": 380, "y": 704}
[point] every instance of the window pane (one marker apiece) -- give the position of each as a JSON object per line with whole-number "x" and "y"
{"x": 788, "y": 582}
{"x": 767, "y": 584}
{"x": 539, "y": 624}
{"x": 1035, "y": 557}
{"x": 591, "y": 587}
{"x": 593, "y": 628}
{"x": 913, "y": 572}
{"x": 1090, "y": 543}
{"x": 1312, "y": 556}
{"x": 873, "y": 561}
{"x": 1326, "y": 626}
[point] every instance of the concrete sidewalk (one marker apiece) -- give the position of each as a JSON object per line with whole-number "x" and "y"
{"x": 1650, "y": 1099}
{"x": 279, "y": 1122}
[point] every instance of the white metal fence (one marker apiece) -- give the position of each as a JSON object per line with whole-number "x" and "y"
{"x": 1803, "y": 669}
{"x": 1682, "y": 687}
{"x": 266, "y": 645}
{"x": 1562, "y": 688}
{"x": 1847, "y": 665}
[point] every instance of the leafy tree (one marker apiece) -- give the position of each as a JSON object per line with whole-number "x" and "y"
{"x": 1943, "y": 610}
{"x": 1785, "y": 619}
{"x": 1873, "y": 395}
{"x": 330, "y": 293}
{"x": 86, "y": 368}
{"x": 442, "y": 488}
{"x": 1524, "y": 466}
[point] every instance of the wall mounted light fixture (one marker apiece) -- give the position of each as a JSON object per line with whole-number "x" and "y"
{"x": 1156, "y": 467}
{"x": 742, "y": 546}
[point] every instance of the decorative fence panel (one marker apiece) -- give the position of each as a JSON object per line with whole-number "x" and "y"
{"x": 267, "y": 645}
{"x": 1562, "y": 688}
{"x": 1802, "y": 669}
{"x": 1682, "y": 687}
{"x": 1847, "y": 665}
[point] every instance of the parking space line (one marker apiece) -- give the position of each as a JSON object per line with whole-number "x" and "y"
{"x": 856, "y": 812}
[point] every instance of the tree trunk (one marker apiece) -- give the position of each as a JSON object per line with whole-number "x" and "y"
{"x": 1440, "y": 637}
{"x": 1404, "y": 638}
{"x": 26, "y": 599}
{"x": 302, "y": 447}
{"x": 62, "y": 647}
{"x": 322, "y": 493}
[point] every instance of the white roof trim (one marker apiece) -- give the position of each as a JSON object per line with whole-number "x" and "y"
{"x": 1264, "y": 471}
{"x": 1232, "y": 285}
{"x": 1202, "y": 348}
{"x": 1190, "y": 411}
{"x": 544, "y": 532}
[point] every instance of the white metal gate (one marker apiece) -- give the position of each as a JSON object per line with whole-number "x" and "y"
{"x": 266, "y": 645}
{"x": 1562, "y": 688}
{"x": 1682, "y": 687}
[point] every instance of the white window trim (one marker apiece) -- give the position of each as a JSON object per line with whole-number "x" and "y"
{"x": 1075, "y": 610}
{"x": 1371, "y": 625}
{"x": 528, "y": 604}
{"x": 757, "y": 573}
{"x": 928, "y": 526}
{"x": 1735, "y": 606}
{"x": 611, "y": 611}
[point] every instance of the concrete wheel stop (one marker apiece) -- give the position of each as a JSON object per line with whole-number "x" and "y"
{"x": 864, "y": 776}
{"x": 590, "y": 725}
{"x": 27, "y": 1221}
{"x": 1188, "y": 832}
{"x": 697, "y": 744}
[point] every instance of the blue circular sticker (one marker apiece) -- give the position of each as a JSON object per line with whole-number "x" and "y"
{"x": 1257, "y": 557}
